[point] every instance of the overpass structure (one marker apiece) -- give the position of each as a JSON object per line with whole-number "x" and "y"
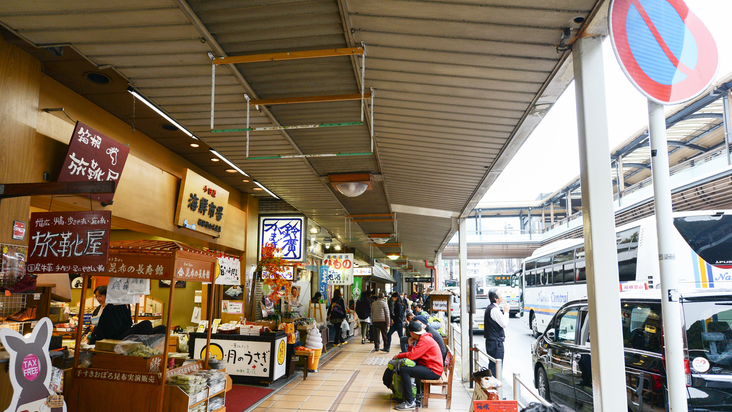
{"x": 701, "y": 177}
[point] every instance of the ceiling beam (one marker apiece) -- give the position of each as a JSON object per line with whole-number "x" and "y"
{"x": 309, "y": 99}
{"x": 272, "y": 57}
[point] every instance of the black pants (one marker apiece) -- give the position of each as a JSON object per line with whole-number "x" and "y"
{"x": 397, "y": 327}
{"x": 338, "y": 331}
{"x": 379, "y": 328}
{"x": 494, "y": 348}
{"x": 418, "y": 372}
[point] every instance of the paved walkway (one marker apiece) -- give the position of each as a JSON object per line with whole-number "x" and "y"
{"x": 349, "y": 380}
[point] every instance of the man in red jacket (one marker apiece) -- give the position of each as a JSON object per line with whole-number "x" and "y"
{"x": 425, "y": 352}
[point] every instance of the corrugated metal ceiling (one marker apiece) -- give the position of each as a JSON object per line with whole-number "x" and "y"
{"x": 455, "y": 88}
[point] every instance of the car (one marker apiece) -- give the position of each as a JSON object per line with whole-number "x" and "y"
{"x": 455, "y": 308}
{"x": 562, "y": 360}
{"x": 481, "y": 303}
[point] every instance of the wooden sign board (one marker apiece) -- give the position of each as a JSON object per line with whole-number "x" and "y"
{"x": 440, "y": 303}
{"x": 503, "y": 406}
{"x": 202, "y": 205}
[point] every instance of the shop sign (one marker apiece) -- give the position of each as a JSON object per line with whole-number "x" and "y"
{"x": 69, "y": 242}
{"x": 193, "y": 270}
{"x": 439, "y": 305}
{"x": 229, "y": 271}
{"x": 139, "y": 266}
{"x": 284, "y": 233}
{"x": 29, "y": 366}
{"x": 18, "y": 230}
{"x": 93, "y": 156}
{"x": 323, "y": 288}
{"x": 202, "y": 205}
{"x": 418, "y": 279}
{"x": 504, "y": 406}
{"x": 362, "y": 272}
{"x": 339, "y": 268}
{"x": 117, "y": 376}
{"x": 247, "y": 358}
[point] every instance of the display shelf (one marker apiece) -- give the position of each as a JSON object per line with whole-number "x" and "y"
{"x": 176, "y": 400}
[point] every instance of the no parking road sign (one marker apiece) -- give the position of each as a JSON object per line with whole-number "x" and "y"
{"x": 663, "y": 48}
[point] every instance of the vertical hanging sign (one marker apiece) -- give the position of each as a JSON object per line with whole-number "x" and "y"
{"x": 93, "y": 156}
{"x": 284, "y": 233}
{"x": 338, "y": 268}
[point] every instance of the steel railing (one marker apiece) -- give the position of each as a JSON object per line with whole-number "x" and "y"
{"x": 517, "y": 384}
{"x": 477, "y": 354}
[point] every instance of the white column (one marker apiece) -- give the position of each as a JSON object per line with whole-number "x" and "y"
{"x": 465, "y": 328}
{"x": 608, "y": 372}
{"x": 670, "y": 305}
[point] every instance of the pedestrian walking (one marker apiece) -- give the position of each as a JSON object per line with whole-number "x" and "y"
{"x": 363, "y": 310}
{"x": 397, "y": 320}
{"x": 380, "y": 319}
{"x": 336, "y": 314}
{"x": 495, "y": 321}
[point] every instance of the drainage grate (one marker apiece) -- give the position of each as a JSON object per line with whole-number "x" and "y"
{"x": 377, "y": 360}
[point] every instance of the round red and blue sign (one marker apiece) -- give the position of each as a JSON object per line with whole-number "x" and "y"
{"x": 663, "y": 48}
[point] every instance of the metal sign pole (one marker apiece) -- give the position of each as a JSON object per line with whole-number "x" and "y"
{"x": 670, "y": 304}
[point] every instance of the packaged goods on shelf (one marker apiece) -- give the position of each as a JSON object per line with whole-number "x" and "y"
{"x": 215, "y": 403}
{"x": 190, "y": 384}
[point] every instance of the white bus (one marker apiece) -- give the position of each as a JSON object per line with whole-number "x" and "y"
{"x": 556, "y": 273}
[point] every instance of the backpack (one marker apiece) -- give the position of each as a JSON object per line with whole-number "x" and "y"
{"x": 393, "y": 380}
{"x": 337, "y": 311}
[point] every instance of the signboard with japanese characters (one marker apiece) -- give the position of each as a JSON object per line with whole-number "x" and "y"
{"x": 93, "y": 156}
{"x": 202, "y": 205}
{"x": 285, "y": 233}
{"x": 69, "y": 242}
{"x": 139, "y": 266}
{"x": 248, "y": 358}
{"x": 339, "y": 268}
{"x": 194, "y": 270}
{"x": 229, "y": 271}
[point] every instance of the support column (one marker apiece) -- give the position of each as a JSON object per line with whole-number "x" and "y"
{"x": 670, "y": 305}
{"x": 551, "y": 213}
{"x": 465, "y": 327}
{"x": 608, "y": 371}
{"x": 727, "y": 125}
{"x": 543, "y": 219}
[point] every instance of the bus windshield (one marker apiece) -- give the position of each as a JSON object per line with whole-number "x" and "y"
{"x": 709, "y": 236}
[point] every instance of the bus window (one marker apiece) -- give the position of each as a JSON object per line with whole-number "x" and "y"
{"x": 580, "y": 269}
{"x": 530, "y": 279}
{"x": 530, "y": 265}
{"x": 627, "y": 242}
{"x": 568, "y": 272}
{"x": 560, "y": 274}
{"x": 543, "y": 261}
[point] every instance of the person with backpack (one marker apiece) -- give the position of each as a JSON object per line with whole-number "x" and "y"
{"x": 363, "y": 310}
{"x": 429, "y": 364}
{"x": 397, "y": 320}
{"x": 336, "y": 314}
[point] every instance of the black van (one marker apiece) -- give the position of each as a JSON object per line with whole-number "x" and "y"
{"x": 561, "y": 355}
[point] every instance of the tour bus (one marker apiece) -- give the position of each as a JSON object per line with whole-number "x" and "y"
{"x": 556, "y": 274}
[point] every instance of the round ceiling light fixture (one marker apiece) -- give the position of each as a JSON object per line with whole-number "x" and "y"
{"x": 97, "y": 78}
{"x": 195, "y": 145}
{"x": 351, "y": 189}
{"x": 230, "y": 171}
{"x": 214, "y": 159}
{"x": 169, "y": 127}
{"x": 351, "y": 184}
{"x": 380, "y": 240}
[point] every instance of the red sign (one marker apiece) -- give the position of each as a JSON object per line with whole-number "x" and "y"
{"x": 194, "y": 270}
{"x": 93, "y": 156}
{"x": 663, "y": 48}
{"x": 506, "y": 406}
{"x": 69, "y": 242}
{"x": 18, "y": 230}
{"x": 139, "y": 266}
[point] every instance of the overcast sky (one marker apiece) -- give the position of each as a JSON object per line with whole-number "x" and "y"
{"x": 550, "y": 156}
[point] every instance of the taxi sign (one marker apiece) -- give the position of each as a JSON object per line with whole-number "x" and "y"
{"x": 663, "y": 48}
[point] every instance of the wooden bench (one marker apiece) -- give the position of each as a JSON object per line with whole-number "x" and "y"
{"x": 445, "y": 382}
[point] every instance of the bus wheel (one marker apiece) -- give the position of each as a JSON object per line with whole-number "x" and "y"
{"x": 534, "y": 327}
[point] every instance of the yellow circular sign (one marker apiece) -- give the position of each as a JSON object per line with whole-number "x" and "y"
{"x": 216, "y": 351}
{"x": 281, "y": 352}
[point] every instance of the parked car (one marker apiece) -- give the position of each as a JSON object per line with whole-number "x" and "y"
{"x": 455, "y": 308}
{"x": 481, "y": 303}
{"x": 562, "y": 362}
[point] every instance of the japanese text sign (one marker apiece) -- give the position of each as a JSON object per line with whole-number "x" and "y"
{"x": 194, "y": 270}
{"x": 663, "y": 48}
{"x": 504, "y": 406}
{"x": 285, "y": 233}
{"x": 229, "y": 271}
{"x": 139, "y": 266}
{"x": 201, "y": 204}
{"x": 69, "y": 242}
{"x": 93, "y": 156}
{"x": 339, "y": 268}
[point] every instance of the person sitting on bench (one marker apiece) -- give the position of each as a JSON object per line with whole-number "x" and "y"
{"x": 425, "y": 352}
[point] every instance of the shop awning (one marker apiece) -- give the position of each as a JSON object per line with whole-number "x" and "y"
{"x": 381, "y": 274}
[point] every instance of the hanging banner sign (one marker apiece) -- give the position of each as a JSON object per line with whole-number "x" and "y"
{"x": 69, "y": 242}
{"x": 285, "y": 233}
{"x": 362, "y": 272}
{"x": 338, "y": 268}
{"x": 664, "y": 49}
{"x": 93, "y": 156}
{"x": 201, "y": 205}
{"x": 229, "y": 271}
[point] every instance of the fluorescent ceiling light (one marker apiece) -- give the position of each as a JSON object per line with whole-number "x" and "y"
{"x": 235, "y": 167}
{"x": 265, "y": 189}
{"x": 160, "y": 112}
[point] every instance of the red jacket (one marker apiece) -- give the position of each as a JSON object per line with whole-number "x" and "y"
{"x": 426, "y": 353}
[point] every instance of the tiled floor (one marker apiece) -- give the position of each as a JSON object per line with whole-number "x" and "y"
{"x": 329, "y": 389}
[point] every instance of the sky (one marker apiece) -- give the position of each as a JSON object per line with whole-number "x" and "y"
{"x": 553, "y": 146}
